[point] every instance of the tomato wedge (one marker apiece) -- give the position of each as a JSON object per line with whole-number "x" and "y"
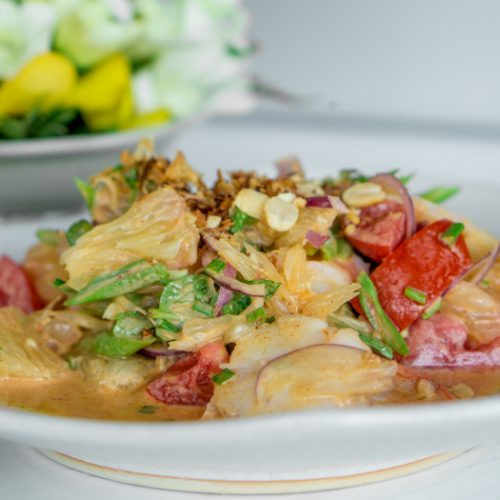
{"x": 423, "y": 262}
{"x": 15, "y": 287}
{"x": 189, "y": 380}
{"x": 381, "y": 229}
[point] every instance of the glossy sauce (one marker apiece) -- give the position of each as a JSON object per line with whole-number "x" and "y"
{"x": 73, "y": 396}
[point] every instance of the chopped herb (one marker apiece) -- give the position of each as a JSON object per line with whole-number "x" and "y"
{"x": 216, "y": 265}
{"x": 237, "y": 304}
{"x": 106, "y": 344}
{"x": 131, "y": 324}
{"x": 147, "y": 409}
{"x": 378, "y": 317}
{"x": 203, "y": 308}
{"x": 48, "y": 236}
{"x": 256, "y": 315}
{"x": 131, "y": 178}
{"x": 451, "y": 235}
{"x": 126, "y": 279}
{"x": 240, "y": 52}
{"x": 329, "y": 249}
{"x": 341, "y": 321}
{"x": 415, "y": 295}
{"x": 405, "y": 179}
{"x": 352, "y": 175}
{"x": 344, "y": 250}
{"x": 432, "y": 309}
{"x": 377, "y": 345}
{"x": 223, "y": 376}
{"x": 271, "y": 319}
{"x": 87, "y": 192}
{"x": 440, "y": 194}
{"x": 77, "y": 230}
{"x": 310, "y": 250}
{"x": 240, "y": 220}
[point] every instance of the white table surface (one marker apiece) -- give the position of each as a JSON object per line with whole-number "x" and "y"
{"x": 25, "y": 475}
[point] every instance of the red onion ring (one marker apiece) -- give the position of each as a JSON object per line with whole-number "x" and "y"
{"x": 156, "y": 350}
{"x": 392, "y": 185}
{"x": 252, "y": 290}
{"x": 483, "y": 266}
{"x": 315, "y": 239}
{"x": 225, "y": 295}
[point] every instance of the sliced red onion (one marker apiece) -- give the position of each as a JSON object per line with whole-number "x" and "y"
{"x": 225, "y": 295}
{"x": 288, "y": 166}
{"x": 229, "y": 270}
{"x": 483, "y": 266}
{"x": 392, "y": 185}
{"x": 315, "y": 239}
{"x": 327, "y": 202}
{"x": 156, "y": 350}
{"x": 252, "y": 290}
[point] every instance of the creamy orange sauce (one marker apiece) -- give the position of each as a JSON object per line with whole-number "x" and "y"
{"x": 73, "y": 396}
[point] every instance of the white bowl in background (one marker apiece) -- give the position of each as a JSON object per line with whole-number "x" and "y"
{"x": 38, "y": 174}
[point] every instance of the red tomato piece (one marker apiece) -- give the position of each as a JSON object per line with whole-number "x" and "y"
{"x": 189, "y": 380}
{"x": 423, "y": 262}
{"x": 381, "y": 229}
{"x": 440, "y": 342}
{"x": 15, "y": 287}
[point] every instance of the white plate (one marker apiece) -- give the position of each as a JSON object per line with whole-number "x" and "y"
{"x": 300, "y": 451}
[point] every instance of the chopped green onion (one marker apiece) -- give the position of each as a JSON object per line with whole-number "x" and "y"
{"x": 341, "y": 321}
{"x": 344, "y": 250}
{"x": 106, "y": 344}
{"x": 147, "y": 409}
{"x": 352, "y": 175}
{"x": 87, "y": 192}
{"x": 256, "y": 315}
{"x": 451, "y": 235}
{"x": 415, "y": 295}
{"x": 48, "y": 236}
{"x": 405, "y": 179}
{"x": 310, "y": 250}
{"x": 329, "y": 249}
{"x": 237, "y": 304}
{"x": 377, "y": 345}
{"x": 203, "y": 308}
{"x": 271, "y": 319}
{"x": 58, "y": 282}
{"x": 240, "y": 52}
{"x": 432, "y": 309}
{"x": 126, "y": 279}
{"x": 223, "y": 376}
{"x": 131, "y": 324}
{"x": 378, "y": 317}
{"x": 77, "y": 230}
{"x": 440, "y": 194}
{"x": 216, "y": 265}
{"x": 240, "y": 220}
{"x": 131, "y": 178}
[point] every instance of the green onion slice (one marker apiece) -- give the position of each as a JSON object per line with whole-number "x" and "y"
{"x": 432, "y": 309}
{"x": 377, "y": 317}
{"x": 451, "y": 235}
{"x": 240, "y": 220}
{"x": 223, "y": 376}
{"x": 440, "y": 194}
{"x": 77, "y": 230}
{"x": 415, "y": 295}
{"x": 256, "y": 315}
{"x": 377, "y": 345}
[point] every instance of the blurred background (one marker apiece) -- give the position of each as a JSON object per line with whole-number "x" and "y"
{"x": 378, "y": 84}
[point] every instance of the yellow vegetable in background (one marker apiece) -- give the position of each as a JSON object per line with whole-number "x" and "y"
{"x": 104, "y": 95}
{"x": 156, "y": 117}
{"x": 45, "y": 82}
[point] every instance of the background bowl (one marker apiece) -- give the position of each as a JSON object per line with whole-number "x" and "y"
{"x": 38, "y": 174}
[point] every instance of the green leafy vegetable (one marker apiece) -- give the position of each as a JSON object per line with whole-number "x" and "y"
{"x": 237, "y": 304}
{"x": 240, "y": 220}
{"x": 203, "y": 308}
{"x": 377, "y": 345}
{"x": 432, "y": 309}
{"x": 131, "y": 324}
{"x": 451, "y": 235}
{"x": 440, "y": 194}
{"x": 223, "y": 376}
{"x": 37, "y": 124}
{"x": 106, "y": 344}
{"x": 76, "y": 230}
{"x": 415, "y": 295}
{"x": 256, "y": 315}
{"x": 270, "y": 286}
{"x": 126, "y": 279}
{"x": 216, "y": 265}
{"x": 87, "y": 192}
{"x": 48, "y": 236}
{"x": 377, "y": 317}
